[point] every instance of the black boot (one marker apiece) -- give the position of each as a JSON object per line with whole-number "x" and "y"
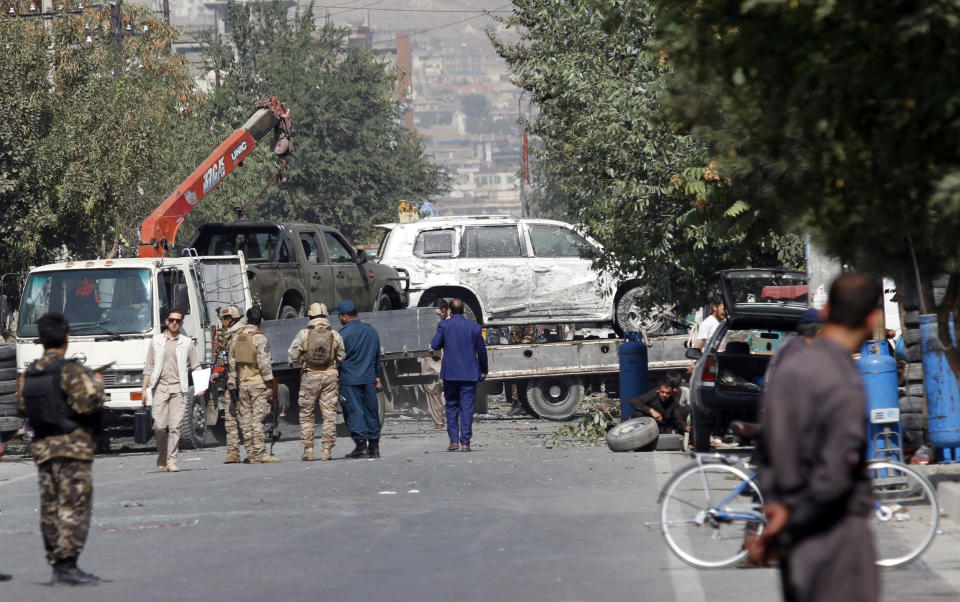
{"x": 360, "y": 451}
{"x": 66, "y": 572}
{"x": 373, "y": 448}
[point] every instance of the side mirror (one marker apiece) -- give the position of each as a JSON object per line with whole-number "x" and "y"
{"x": 181, "y": 297}
{"x": 693, "y": 353}
{"x": 362, "y": 257}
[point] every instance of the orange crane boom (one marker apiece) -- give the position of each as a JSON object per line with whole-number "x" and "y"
{"x": 159, "y": 230}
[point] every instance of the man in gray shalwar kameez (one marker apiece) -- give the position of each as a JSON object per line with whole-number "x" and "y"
{"x": 818, "y": 491}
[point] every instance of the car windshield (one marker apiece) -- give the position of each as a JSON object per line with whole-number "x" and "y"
{"x": 113, "y": 301}
{"x": 750, "y": 290}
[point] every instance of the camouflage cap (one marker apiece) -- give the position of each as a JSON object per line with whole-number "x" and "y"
{"x": 231, "y": 310}
{"x": 317, "y": 310}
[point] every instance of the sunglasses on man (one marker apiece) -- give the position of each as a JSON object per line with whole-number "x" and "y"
{"x": 174, "y": 320}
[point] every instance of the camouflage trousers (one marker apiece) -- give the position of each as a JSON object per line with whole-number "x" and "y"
{"x": 231, "y": 425}
{"x": 318, "y": 387}
{"x": 66, "y": 499}
{"x": 253, "y": 404}
{"x": 435, "y": 401}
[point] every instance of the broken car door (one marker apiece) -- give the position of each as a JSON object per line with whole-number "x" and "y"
{"x": 494, "y": 263}
{"x": 564, "y": 283}
{"x": 348, "y": 278}
{"x": 319, "y": 272}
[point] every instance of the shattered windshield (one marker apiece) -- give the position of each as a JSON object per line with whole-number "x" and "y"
{"x": 111, "y": 301}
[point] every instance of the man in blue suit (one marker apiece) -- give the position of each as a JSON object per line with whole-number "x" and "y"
{"x": 464, "y": 364}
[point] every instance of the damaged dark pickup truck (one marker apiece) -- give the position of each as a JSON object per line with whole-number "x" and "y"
{"x": 291, "y": 266}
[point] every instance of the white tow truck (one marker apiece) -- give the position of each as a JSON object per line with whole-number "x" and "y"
{"x": 115, "y": 307}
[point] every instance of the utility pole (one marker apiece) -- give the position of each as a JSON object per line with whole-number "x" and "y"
{"x": 166, "y": 11}
{"x": 116, "y": 28}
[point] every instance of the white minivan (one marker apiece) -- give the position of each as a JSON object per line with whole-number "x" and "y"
{"x": 512, "y": 271}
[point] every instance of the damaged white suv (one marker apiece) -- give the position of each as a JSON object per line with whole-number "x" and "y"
{"x": 510, "y": 271}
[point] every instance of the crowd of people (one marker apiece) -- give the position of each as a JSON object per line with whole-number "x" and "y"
{"x": 62, "y": 402}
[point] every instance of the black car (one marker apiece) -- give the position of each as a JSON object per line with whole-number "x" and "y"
{"x": 763, "y": 308}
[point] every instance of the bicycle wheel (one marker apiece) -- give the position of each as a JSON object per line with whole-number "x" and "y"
{"x": 695, "y": 509}
{"x": 906, "y": 513}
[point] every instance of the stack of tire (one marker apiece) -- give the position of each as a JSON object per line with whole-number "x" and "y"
{"x": 9, "y": 421}
{"x": 913, "y": 403}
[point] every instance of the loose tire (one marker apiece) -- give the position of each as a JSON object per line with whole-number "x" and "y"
{"x": 912, "y": 421}
{"x": 911, "y": 319}
{"x": 688, "y": 518}
{"x": 911, "y": 337}
{"x": 8, "y": 374}
{"x": 193, "y": 428}
{"x": 914, "y": 372}
{"x": 7, "y": 387}
{"x": 8, "y": 351}
{"x": 632, "y": 434}
{"x": 909, "y": 405}
{"x": 914, "y": 354}
{"x": 554, "y": 398}
{"x": 914, "y": 390}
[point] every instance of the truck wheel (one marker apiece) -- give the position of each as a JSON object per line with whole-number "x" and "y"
{"x": 384, "y": 303}
{"x": 193, "y": 429}
{"x": 631, "y": 317}
{"x": 632, "y": 434}
{"x": 700, "y": 425}
{"x": 288, "y": 313}
{"x": 554, "y": 398}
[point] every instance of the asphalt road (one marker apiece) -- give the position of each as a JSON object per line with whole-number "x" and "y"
{"x": 512, "y": 520}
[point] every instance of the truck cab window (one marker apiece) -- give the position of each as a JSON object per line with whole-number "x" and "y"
{"x": 310, "y": 249}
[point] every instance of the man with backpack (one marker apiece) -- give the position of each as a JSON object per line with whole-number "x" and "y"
{"x": 317, "y": 348}
{"x": 250, "y": 372}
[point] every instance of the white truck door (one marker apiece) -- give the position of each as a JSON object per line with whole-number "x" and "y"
{"x": 224, "y": 282}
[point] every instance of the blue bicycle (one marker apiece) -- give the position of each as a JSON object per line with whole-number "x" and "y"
{"x": 707, "y": 506}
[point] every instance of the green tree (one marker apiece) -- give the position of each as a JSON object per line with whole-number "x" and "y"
{"x": 648, "y": 193}
{"x": 78, "y": 136}
{"x": 839, "y": 115}
{"x": 352, "y": 160}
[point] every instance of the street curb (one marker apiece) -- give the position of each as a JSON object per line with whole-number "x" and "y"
{"x": 948, "y": 494}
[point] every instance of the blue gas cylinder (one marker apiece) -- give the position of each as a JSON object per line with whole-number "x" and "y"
{"x": 633, "y": 370}
{"x": 879, "y": 370}
{"x": 943, "y": 393}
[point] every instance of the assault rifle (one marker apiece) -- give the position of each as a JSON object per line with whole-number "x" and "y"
{"x": 273, "y": 426}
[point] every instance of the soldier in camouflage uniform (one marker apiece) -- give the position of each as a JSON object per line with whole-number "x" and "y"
{"x": 62, "y": 403}
{"x": 232, "y": 321}
{"x": 519, "y": 335}
{"x": 317, "y": 383}
{"x": 249, "y": 374}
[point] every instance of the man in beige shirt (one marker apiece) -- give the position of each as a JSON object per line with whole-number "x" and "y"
{"x": 251, "y": 374}
{"x": 169, "y": 386}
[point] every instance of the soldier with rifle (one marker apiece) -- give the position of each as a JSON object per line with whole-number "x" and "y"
{"x": 232, "y": 321}
{"x": 251, "y": 376}
{"x": 62, "y": 403}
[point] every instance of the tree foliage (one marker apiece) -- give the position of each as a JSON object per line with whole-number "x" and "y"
{"x": 92, "y": 142}
{"x": 353, "y": 160}
{"x": 649, "y": 194}
{"x": 839, "y": 114}
{"x": 78, "y": 135}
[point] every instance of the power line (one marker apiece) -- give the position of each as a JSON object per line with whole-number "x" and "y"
{"x": 483, "y": 13}
{"x": 409, "y": 10}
